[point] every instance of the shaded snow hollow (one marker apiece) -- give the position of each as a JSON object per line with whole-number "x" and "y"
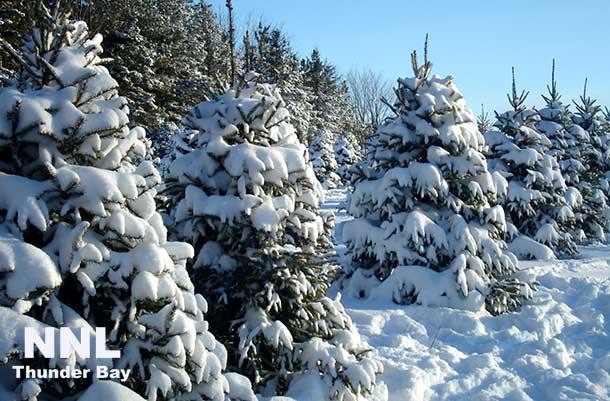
{"x": 556, "y": 348}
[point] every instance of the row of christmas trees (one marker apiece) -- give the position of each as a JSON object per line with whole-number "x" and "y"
{"x": 442, "y": 194}
{"x": 170, "y": 54}
{"x": 333, "y": 156}
{"x": 82, "y": 244}
{"x": 577, "y": 141}
{"x": 551, "y": 167}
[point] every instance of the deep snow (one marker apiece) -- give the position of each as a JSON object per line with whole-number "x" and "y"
{"x": 556, "y": 348}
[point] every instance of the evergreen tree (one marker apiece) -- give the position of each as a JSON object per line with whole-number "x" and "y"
{"x": 205, "y": 71}
{"x": 347, "y": 155}
{"x": 588, "y": 112}
{"x": 81, "y": 244}
{"x": 570, "y": 144}
{"x": 247, "y": 199}
{"x": 331, "y": 104}
{"x": 323, "y": 160}
{"x": 534, "y": 202}
{"x": 144, "y": 38}
{"x": 566, "y": 139}
{"x": 271, "y": 54}
{"x": 588, "y": 117}
{"x": 205, "y": 21}
{"x": 424, "y": 221}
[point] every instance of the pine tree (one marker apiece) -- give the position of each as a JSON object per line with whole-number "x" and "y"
{"x": 214, "y": 36}
{"x": 570, "y": 144}
{"x": 534, "y": 202}
{"x": 323, "y": 160}
{"x": 248, "y": 200}
{"x": 588, "y": 117}
{"x": 271, "y": 54}
{"x": 146, "y": 40}
{"x": 587, "y": 111}
{"x": 556, "y": 123}
{"x": 91, "y": 250}
{"x": 425, "y": 223}
{"x": 331, "y": 104}
{"x": 204, "y": 72}
{"x": 231, "y": 37}
{"x": 347, "y": 155}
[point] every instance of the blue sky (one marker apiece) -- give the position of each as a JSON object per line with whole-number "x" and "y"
{"x": 476, "y": 41}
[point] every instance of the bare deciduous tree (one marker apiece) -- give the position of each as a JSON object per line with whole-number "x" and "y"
{"x": 366, "y": 89}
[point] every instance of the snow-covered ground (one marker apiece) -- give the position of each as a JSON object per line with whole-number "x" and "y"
{"x": 556, "y": 348}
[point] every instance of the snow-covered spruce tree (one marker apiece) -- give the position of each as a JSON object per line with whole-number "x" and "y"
{"x": 588, "y": 112}
{"x": 81, "y": 244}
{"x": 323, "y": 160}
{"x": 247, "y": 198}
{"x": 588, "y": 116}
{"x": 570, "y": 144}
{"x": 347, "y": 154}
{"x": 425, "y": 224}
{"x": 534, "y": 201}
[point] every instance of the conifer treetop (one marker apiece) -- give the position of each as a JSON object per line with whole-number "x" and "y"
{"x": 517, "y": 101}
{"x": 587, "y": 109}
{"x": 552, "y": 100}
{"x": 483, "y": 121}
{"x": 421, "y": 72}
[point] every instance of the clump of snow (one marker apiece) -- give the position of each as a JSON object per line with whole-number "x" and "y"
{"x": 109, "y": 391}
{"x": 240, "y": 388}
{"x": 28, "y": 272}
{"x": 527, "y": 248}
{"x": 13, "y": 327}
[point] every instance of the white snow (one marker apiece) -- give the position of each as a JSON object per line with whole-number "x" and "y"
{"x": 240, "y": 387}
{"x": 557, "y": 347}
{"x": 109, "y": 391}
{"x": 25, "y": 268}
{"x": 526, "y": 248}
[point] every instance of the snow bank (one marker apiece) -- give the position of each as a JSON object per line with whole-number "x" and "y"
{"x": 555, "y": 348}
{"x": 109, "y": 391}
